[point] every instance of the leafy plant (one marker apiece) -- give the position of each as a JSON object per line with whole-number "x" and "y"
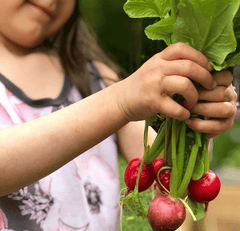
{"x": 205, "y": 25}
{"x": 213, "y": 28}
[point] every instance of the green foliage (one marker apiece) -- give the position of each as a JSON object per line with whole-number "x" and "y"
{"x": 208, "y": 27}
{"x": 205, "y": 25}
{"x": 147, "y": 8}
{"x": 161, "y": 30}
{"x": 198, "y": 209}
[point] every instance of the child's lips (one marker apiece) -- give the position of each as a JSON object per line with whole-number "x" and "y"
{"x": 47, "y": 11}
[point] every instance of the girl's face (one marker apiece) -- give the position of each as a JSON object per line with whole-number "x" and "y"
{"x": 28, "y": 22}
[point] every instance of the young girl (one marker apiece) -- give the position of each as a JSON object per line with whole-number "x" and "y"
{"x": 45, "y": 184}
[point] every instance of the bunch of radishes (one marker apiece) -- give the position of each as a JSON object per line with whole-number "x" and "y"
{"x": 182, "y": 175}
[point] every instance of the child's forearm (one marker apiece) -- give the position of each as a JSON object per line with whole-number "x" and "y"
{"x": 34, "y": 149}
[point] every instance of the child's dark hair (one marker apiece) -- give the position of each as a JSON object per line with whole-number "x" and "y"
{"x": 76, "y": 45}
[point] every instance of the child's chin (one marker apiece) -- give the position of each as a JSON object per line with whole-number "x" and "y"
{"x": 29, "y": 43}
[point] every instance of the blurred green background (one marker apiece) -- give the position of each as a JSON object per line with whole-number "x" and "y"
{"x": 120, "y": 36}
{"x": 124, "y": 40}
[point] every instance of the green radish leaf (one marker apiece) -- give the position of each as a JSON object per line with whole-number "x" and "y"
{"x": 234, "y": 57}
{"x": 132, "y": 201}
{"x": 147, "y": 8}
{"x": 208, "y": 27}
{"x": 233, "y": 60}
{"x": 163, "y": 7}
{"x": 197, "y": 210}
{"x": 236, "y": 24}
{"x": 141, "y": 9}
{"x": 237, "y": 14}
{"x": 161, "y": 30}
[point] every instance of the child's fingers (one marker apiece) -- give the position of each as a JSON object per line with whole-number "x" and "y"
{"x": 221, "y": 110}
{"x": 177, "y": 85}
{"x": 212, "y": 127}
{"x": 223, "y": 78}
{"x": 220, "y": 94}
{"x": 171, "y": 108}
{"x": 181, "y": 86}
{"x": 191, "y": 70}
{"x": 184, "y": 51}
{"x": 214, "y": 109}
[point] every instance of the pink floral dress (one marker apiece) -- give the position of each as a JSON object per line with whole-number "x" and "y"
{"x": 82, "y": 195}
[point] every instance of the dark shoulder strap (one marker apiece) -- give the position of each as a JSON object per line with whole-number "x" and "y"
{"x": 95, "y": 77}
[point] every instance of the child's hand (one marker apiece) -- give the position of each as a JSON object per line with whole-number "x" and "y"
{"x": 150, "y": 89}
{"x": 218, "y": 104}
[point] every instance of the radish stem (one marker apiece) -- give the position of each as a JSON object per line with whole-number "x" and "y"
{"x": 198, "y": 138}
{"x": 166, "y": 167}
{"x": 160, "y": 149}
{"x": 173, "y": 9}
{"x": 188, "y": 174}
{"x": 146, "y": 151}
{"x": 205, "y": 153}
{"x": 146, "y": 133}
{"x": 167, "y": 140}
{"x": 189, "y": 209}
{"x": 181, "y": 151}
{"x": 157, "y": 145}
{"x": 174, "y": 173}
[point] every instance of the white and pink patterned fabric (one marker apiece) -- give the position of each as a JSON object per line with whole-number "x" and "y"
{"x": 82, "y": 195}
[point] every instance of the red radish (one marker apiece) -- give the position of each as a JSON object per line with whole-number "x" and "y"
{"x": 166, "y": 213}
{"x": 157, "y": 163}
{"x": 206, "y": 188}
{"x": 147, "y": 175}
{"x": 164, "y": 177}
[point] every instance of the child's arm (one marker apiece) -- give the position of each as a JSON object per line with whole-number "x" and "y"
{"x": 34, "y": 149}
